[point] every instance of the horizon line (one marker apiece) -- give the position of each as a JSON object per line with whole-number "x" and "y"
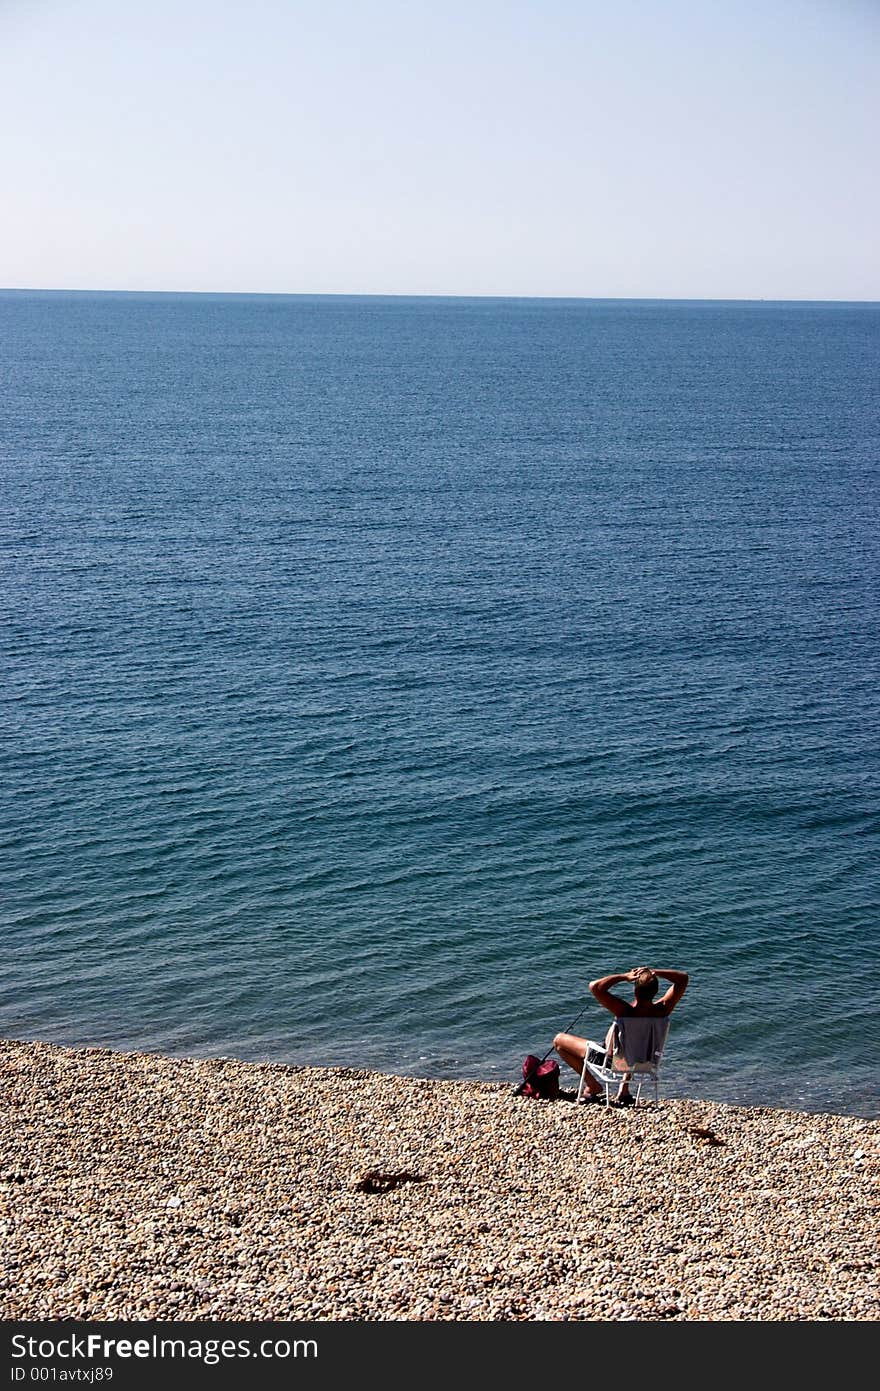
{"x": 447, "y": 295}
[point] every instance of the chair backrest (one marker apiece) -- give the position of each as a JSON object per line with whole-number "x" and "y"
{"x": 640, "y": 1040}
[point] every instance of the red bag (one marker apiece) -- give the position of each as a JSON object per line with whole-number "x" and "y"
{"x": 540, "y": 1079}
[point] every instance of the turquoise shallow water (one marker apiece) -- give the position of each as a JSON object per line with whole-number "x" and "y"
{"x": 377, "y": 672}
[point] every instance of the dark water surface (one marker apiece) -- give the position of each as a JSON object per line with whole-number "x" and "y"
{"x": 378, "y": 671}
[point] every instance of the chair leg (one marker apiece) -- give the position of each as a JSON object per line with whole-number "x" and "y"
{"x": 580, "y": 1090}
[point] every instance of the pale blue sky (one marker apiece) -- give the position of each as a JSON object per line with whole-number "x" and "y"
{"x": 668, "y": 148}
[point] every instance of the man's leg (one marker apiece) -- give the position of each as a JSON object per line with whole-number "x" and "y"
{"x": 571, "y": 1050}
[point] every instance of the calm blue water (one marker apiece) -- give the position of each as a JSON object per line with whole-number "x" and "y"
{"x": 378, "y": 671}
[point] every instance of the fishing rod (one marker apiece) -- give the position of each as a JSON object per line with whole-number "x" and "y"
{"x": 518, "y": 1091}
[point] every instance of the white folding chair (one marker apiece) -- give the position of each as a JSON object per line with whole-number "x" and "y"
{"x": 637, "y": 1047}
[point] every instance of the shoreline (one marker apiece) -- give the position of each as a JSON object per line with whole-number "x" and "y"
{"x": 141, "y": 1186}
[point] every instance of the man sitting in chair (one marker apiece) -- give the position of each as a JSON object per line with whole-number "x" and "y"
{"x": 646, "y": 983}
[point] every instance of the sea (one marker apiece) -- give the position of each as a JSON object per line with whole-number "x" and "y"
{"x": 376, "y": 672}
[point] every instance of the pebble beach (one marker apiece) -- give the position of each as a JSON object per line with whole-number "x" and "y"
{"x": 138, "y": 1186}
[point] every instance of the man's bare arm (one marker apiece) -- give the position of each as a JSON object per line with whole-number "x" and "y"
{"x": 601, "y": 989}
{"x": 679, "y": 981}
